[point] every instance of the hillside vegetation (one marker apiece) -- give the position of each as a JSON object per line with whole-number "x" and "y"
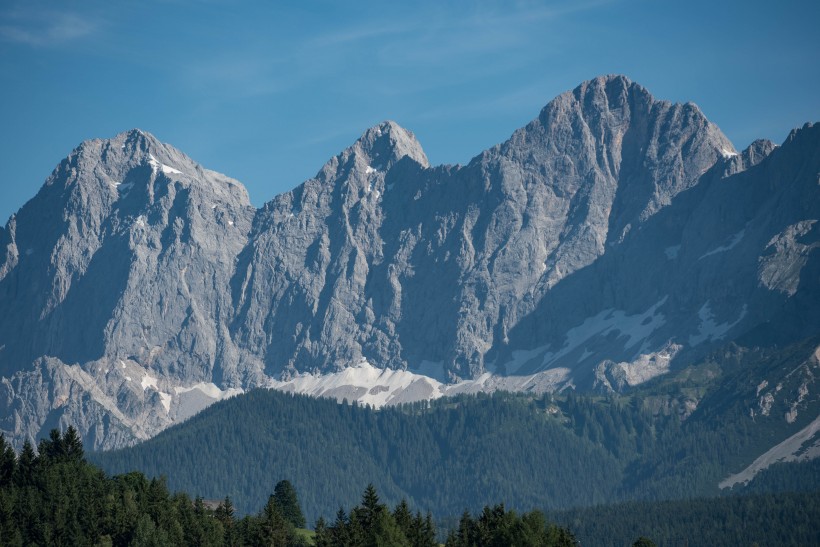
{"x": 548, "y": 452}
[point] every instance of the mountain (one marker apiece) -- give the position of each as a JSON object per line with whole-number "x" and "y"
{"x": 555, "y": 451}
{"x": 613, "y": 239}
{"x": 113, "y": 286}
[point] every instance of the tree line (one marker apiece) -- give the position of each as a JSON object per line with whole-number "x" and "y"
{"x": 53, "y": 496}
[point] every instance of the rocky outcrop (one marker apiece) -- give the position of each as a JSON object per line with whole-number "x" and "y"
{"x": 610, "y": 240}
{"x": 120, "y": 262}
{"x": 400, "y": 263}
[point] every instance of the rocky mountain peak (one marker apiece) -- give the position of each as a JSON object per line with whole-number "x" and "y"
{"x": 613, "y": 89}
{"x": 386, "y": 143}
{"x": 137, "y": 160}
{"x": 614, "y": 228}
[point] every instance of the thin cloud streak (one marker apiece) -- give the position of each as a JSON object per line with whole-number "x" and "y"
{"x": 531, "y": 98}
{"x": 46, "y": 29}
{"x": 429, "y": 38}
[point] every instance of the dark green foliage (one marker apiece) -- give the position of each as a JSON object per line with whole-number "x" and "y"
{"x": 786, "y": 477}
{"x": 8, "y": 462}
{"x": 464, "y": 452}
{"x": 498, "y": 527}
{"x": 57, "y": 498}
{"x": 288, "y": 502}
{"x": 771, "y": 519}
{"x": 549, "y": 452}
{"x": 372, "y": 524}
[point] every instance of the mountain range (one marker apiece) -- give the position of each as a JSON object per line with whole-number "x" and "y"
{"x": 613, "y": 239}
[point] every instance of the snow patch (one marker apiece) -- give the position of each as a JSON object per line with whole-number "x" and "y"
{"x": 370, "y": 170}
{"x": 208, "y": 389}
{"x": 709, "y": 329}
{"x": 723, "y": 248}
{"x": 165, "y": 399}
{"x": 364, "y": 383}
{"x": 635, "y": 328}
{"x": 377, "y": 387}
{"x": 166, "y": 169}
{"x": 521, "y": 357}
{"x": 192, "y": 399}
{"x": 149, "y": 381}
{"x": 727, "y": 153}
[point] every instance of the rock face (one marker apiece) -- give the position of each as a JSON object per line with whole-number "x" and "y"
{"x": 113, "y": 288}
{"x": 610, "y": 239}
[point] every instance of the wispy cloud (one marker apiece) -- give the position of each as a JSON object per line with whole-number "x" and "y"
{"x": 45, "y": 28}
{"x": 528, "y": 99}
{"x": 405, "y": 51}
{"x": 241, "y": 76}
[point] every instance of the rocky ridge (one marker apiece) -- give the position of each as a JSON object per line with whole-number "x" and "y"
{"x": 614, "y": 237}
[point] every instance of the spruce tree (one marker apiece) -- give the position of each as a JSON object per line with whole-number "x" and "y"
{"x": 72, "y": 446}
{"x": 8, "y": 462}
{"x": 26, "y": 464}
{"x": 276, "y": 530}
{"x": 285, "y": 495}
{"x": 404, "y": 518}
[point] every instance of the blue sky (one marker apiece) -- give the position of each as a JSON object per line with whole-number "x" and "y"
{"x": 266, "y": 92}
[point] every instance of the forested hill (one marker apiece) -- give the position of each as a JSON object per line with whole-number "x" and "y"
{"x": 549, "y": 452}
{"x": 771, "y": 519}
{"x": 464, "y": 453}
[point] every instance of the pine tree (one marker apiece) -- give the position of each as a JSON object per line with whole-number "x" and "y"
{"x": 385, "y": 532}
{"x": 404, "y": 518}
{"x": 72, "y": 446}
{"x": 224, "y": 512}
{"x": 370, "y": 507}
{"x": 340, "y": 534}
{"x": 427, "y": 536}
{"x": 8, "y": 462}
{"x": 26, "y": 464}
{"x": 322, "y": 535}
{"x": 275, "y": 528}
{"x": 285, "y": 495}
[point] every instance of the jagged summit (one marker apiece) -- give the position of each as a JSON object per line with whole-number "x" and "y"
{"x": 386, "y": 143}
{"x": 613, "y": 234}
{"x": 100, "y": 173}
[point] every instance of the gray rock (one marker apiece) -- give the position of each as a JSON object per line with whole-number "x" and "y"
{"x": 613, "y": 238}
{"x": 125, "y": 254}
